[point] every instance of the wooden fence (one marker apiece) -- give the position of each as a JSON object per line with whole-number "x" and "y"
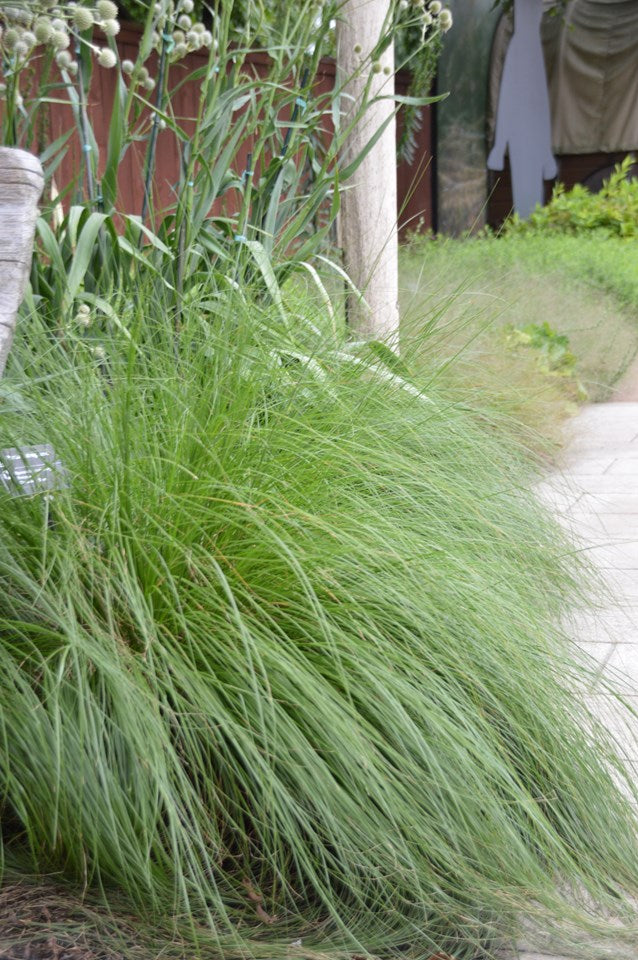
{"x": 414, "y": 182}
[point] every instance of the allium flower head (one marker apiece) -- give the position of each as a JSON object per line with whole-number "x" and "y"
{"x": 435, "y": 7}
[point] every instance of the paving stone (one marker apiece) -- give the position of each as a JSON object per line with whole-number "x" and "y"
{"x": 622, "y": 555}
{"x": 623, "y": 467}
{"x": 623, "y": 504}
{"x": 602, "y": 484}
{"x": 622, "y": 583}
{"x": 623, "y": 662}
{"x": 599, "y": 651}
{"x": 619, "y": 714}
{"x": 601, "y": 464}
{"x": 593, "y": 466}
{"x": 609, "y": 625}
{"x": 597, "y": 449}
{"x": 614, "y": 525}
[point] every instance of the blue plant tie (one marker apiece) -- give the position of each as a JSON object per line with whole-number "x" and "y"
{"x": 169, "y": 41}
{"x": 191, "y": 183}
{"x": 240, "y": 238}
{"x": 300, "y": 102}
{"x": 86, "y": 147}
{"x": 246, "y": 174}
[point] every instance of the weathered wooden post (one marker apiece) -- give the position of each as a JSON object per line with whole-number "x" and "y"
{"x": 21, "y": 184}
{"x": 368, "y": 218}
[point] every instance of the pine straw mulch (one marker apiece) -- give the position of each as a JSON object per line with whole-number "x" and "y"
{"x": 42, "y": 922}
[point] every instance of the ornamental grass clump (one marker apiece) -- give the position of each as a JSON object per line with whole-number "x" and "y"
{"x": 281, "y": 658}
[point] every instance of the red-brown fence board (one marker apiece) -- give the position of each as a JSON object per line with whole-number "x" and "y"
{"x": 414, "y": 182}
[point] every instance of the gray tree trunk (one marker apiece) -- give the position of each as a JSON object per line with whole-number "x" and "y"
{"x": 21, "y": 184}
{"x": 368, "y": 217}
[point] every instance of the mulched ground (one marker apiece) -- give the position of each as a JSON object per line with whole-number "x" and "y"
{"x": 44, "y": 923}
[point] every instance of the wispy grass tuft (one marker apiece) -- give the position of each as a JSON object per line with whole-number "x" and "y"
{"x": 583, "y": 287}
{"x": 283, "y": 657}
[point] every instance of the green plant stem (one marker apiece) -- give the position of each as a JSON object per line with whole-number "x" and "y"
{"x": 83, "y": 120}
{"x": 10, "y": 125}
{"x": 167, "y": 42}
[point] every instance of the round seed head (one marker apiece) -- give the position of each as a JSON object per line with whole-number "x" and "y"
{"x": 185, "y": 22}
{"x": 20, "y": 49}
{"x": 43, "y": 30}
{"x": 128, "y": 67}
{"x": 63, "y": 59}
{"x": 180, "y": 50}
{"x": 149, "y": 84}
{"x": 17, "y": 15}
{"x": 445, "y": 19}
{"x": 29, "y": 39}
{"x": 11, "y": 37}
{"x": 60, "y": 40}
{"x": 435, "y": 7}
{"x": 111, "y": 27}
{"x": 188, "y": 6}
{"x": 107, "y": 9}
{"x": 106, "y": 58}
{"x": 376, "y": 67}
{"x": 82, "y": 18}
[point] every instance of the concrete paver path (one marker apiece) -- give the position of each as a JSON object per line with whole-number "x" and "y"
{"x": 596, "y": 496}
